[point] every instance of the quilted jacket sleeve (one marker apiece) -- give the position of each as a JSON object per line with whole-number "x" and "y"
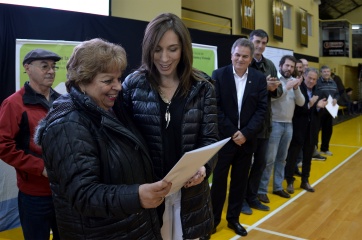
{"x": 209, "y": 125}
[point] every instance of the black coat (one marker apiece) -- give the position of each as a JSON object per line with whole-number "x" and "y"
{"x": 305, "y": 117}
{"x": 199, "y": 129}
{"x": 95, "y": 165}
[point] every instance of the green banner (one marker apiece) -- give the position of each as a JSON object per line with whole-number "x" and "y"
{"x": 205, "y": 58}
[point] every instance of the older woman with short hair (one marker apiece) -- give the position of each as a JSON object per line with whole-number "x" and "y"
{"x": 99, "y": 168}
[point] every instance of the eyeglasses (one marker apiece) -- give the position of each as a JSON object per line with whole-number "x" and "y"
{"x": 45, "y": 67}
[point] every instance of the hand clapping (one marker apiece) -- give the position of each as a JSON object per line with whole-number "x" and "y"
{"x": 294, "y": 83}
{"x": 272, "y": 83}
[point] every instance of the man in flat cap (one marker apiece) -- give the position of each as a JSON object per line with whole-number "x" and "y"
{"x": 19, "y": 116}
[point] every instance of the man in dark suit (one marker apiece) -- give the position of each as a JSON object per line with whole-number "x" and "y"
{"x": 305, "y": 131}
{"x": 241, "y": 94}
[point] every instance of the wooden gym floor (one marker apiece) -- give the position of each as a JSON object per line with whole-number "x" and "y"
{"x": 333, "y": 211}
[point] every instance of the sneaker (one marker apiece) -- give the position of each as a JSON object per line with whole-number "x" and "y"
{"x": 329, "y": 153}
{"x": 245, "y": 209}
{"x": 319, "y": 158}
{"x": 315, "y": 152}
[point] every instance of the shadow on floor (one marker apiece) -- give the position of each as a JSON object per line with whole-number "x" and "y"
{"x": 341, "y": 118}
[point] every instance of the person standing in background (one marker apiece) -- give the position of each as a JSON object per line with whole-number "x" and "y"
{"x": 260, "y": 40}
{"x": 327, "y": 87}
{"x": 242, "y": 100}
{"x": 339, "y": 83}
{"x": 174, "y": 107}
{"x": 305, "y": 63}
{"x": 19, "y": 116}
{"x": 305, "y": 131}
{"x": 282, "y": 127}
{"x": 299, "y": 69}
{"x": 345, "y": 100}
{"x": 316, "y": 155}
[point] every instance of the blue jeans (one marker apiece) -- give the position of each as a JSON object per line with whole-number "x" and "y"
{"x": 277, "y": 151}
{"x": 37, "y": 217}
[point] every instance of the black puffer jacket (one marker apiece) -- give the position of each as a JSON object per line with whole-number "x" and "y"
{"x": 199, "y": 128}
{"x": 95, "y": 165}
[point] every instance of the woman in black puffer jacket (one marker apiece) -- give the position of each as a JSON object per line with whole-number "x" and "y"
{"x": 174, "y": 107}
{"x": 99, "y": 168}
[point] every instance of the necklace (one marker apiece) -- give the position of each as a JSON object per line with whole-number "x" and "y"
{"x": 168, "y": 102}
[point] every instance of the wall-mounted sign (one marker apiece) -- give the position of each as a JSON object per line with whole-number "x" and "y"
{"x": 303, "y": 28}
{"x": 278, "y": 19}
{"x": 334, "y": 48}
{"x": 247, "y": 16}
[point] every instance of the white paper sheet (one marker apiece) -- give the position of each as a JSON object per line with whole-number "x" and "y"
{"x": 190, "y": 163}
{"x": 333, "y": 110}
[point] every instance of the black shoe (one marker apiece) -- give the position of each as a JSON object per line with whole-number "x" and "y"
{"x": 263, "y": 198}
{"x": 282, "y": 193}
{"x": 306, "y": 186}
{"x": 258, "y": 205}
{"x": 290, "y": 188}
{"x": 238, "y": 229}
{"x": 245, "y": 209}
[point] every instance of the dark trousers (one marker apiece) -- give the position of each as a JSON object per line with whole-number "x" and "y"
{"x": 293, "y": 152}
{"x": 234, "y": 156}
{"x": 37, "y": 217}
{"x": 327, "y": 129}
{"x": 352, "y": 107}
{"x": 257, "y": 169}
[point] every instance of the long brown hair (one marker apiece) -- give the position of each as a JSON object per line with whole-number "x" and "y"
{"x": 153, "y": 34}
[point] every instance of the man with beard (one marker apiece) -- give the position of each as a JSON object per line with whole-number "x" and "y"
{"x": 282, "y": 127}
{"x": 299, "y": 69}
